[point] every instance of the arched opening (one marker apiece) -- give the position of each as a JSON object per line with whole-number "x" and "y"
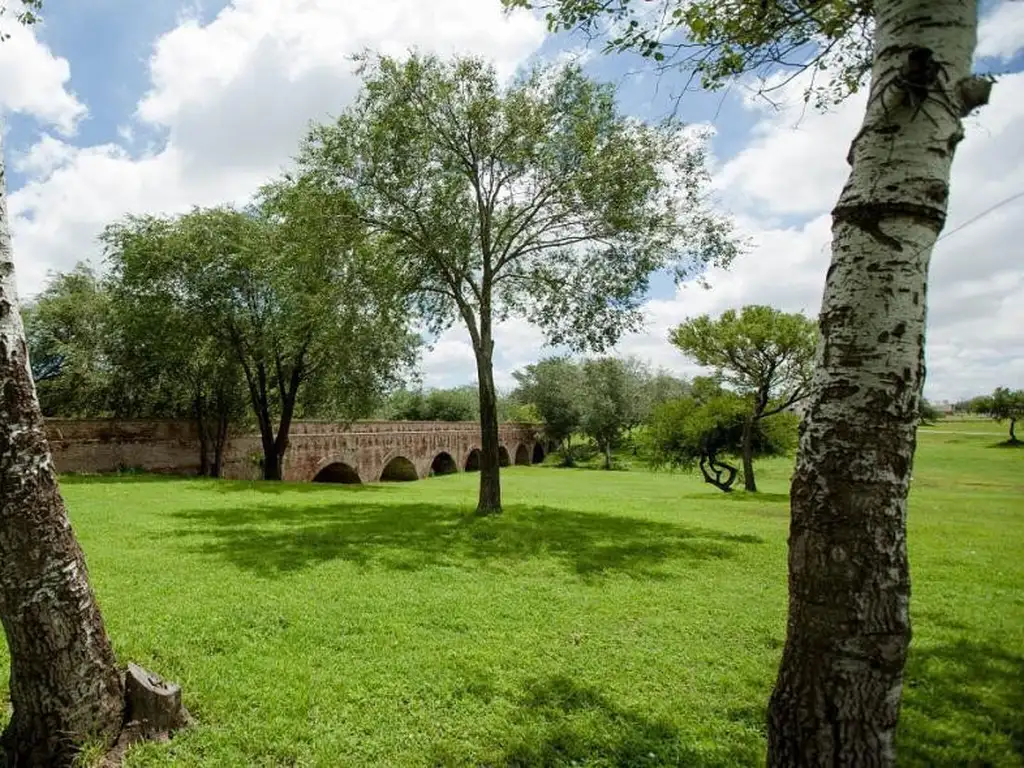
{"x": 399, "y": 470}
{"x": 443, "y": 464}
{"x": 339, "y": 472}
{"x": 503, "y": 457}
{"x": 522, "y": 456}
{"x": 538, "y": 454}
{"x": 473, "y": 461}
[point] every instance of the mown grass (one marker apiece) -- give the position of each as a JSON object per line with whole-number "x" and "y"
{"x": 607, "y": 619}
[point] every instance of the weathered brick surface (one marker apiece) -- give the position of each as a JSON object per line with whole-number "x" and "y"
{"x": 96, "y": 446}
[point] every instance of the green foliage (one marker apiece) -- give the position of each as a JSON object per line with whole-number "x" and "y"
{"x": 455, "y": 404}
{"x": 554, "y": 387}
{"x": 537, "y": 198}
{"x": 721, "y": 40}
{"x": 27, "y": 14}
{"x": 760, "y": 351}
{"x": 290, "y": 292}
{"x": 568, "y": 629}
{"x": 66, "y": 329}
{"x": 929, "y": 414}
{"x": 612, "y": 400}
{"x": 1002, "y": 405}
{"x": 688, "y": 433}
{"x": 764, "y": 354}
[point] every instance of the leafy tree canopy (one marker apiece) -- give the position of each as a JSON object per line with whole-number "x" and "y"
{"x": 66, "y": 331}
{"x": 718, "y": 40}
{"x": 690, "y": 433}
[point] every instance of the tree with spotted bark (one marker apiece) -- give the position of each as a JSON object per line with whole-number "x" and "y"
{"x": 536, "y": 198}
{"x": 65, "y": 686}
{"x": 837, "y": 697}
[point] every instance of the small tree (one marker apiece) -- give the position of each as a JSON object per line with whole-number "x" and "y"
{"x": 611, "y": 401}
{"x": 1003, "y": 405}
{"x": 535, "y": 199}
{"x": 765, "y": 354}
{"x": 165, "y": 363}
{"x": 66, "y": 327}
{"x": 554, "y": 386}
{"x": 456, "y": 404}
{"x": 929, "y": 413}
{"x": 687, "y": 433}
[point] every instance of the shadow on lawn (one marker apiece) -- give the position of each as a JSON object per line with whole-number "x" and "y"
{"x": 559, "y": 722}
{"x": 963, "y": 705}
{"x": 272, "y": 539}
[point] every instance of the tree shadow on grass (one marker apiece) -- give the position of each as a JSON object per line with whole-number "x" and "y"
{"x": 560, "y": 722}
{"x": 963, "y": 705}
{"x": 277, "y": 488}
{"x": 279, "y": 538}
{"x": 123, "y": 478}
{"x": 739, "y": 496}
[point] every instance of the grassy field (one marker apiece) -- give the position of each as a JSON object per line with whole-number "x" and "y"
{"x": 608, "y": 619}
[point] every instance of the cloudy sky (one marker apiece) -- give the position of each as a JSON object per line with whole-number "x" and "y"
{"x": 113, "y": 107}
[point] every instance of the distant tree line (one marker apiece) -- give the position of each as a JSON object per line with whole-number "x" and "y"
{"x": 759, "y": 360}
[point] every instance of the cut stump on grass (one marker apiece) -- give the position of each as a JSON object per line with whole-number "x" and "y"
{"x": 153, "y": 707}
{"x": 152, "y": 712}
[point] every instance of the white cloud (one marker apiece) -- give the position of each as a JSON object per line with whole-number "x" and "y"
{"x": 33, "y": 81}
{"x": 233, "y": 98}
{"x": 1001, "y": 32}
{"x": 795, "y": 169}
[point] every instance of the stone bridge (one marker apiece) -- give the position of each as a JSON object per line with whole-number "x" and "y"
{"x": 361, "y": 452}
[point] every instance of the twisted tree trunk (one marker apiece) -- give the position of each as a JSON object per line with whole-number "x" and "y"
{"x": 65, "y": 686}
{"x": 837, "y": 698}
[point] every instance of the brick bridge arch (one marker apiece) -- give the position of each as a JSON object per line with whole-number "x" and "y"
{"x": 371, "y": 447}
{"x": 317, "y": 451}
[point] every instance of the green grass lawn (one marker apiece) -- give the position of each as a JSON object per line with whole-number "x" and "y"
{"x": 607, "y": 619}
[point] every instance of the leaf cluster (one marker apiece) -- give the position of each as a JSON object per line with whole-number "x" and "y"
{"x": 721, "y": 40}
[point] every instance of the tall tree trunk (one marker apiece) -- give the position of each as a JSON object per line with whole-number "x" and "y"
{"x": 749, "y": 482}
{"x": 837, "y": 698}
{"x": 204, "y": 441}
{"x": 65, "y": 685}
{"x": 221, "y": 438}
{"x": 490, "y": 480}
{"x": 607, "y": 455}
{"x": 272, "y": 461}
{"x": 1013, "y": 430}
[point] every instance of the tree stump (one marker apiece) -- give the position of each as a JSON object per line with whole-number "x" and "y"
{"x": 153, "y": 706}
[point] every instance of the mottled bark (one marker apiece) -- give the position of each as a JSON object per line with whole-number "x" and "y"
{"x": 490, "y": 474}
{"x": 837, "y": 698}
{"x": 64, "y": 684}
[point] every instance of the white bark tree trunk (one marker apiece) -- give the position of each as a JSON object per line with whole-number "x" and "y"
{"x": 837, "y": 698}
{"x": 65, "y": 686}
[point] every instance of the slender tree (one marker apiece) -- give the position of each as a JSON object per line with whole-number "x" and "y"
{"x": 66, "y": 328}
{"x": 837, "y": 697}
{"x": 611, "y": 400}
{"x": 536, "y": 199}
{"x": 555, "y": 387}
{"x": 765, "y": 354}
{"x": 64, "y": 685}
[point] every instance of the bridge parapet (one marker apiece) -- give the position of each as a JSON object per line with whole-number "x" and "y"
{"x": 367, "y": 451}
